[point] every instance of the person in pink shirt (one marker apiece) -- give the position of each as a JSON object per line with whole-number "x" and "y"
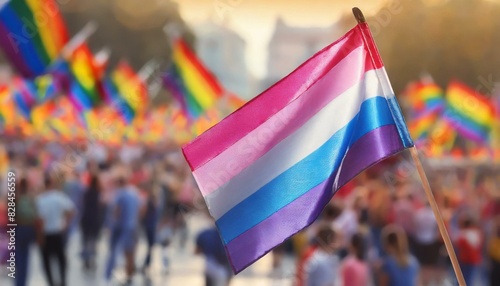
{"x": 354, "y": 270}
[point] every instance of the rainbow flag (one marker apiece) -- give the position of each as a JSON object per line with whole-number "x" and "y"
{"x": 267, "y": 170}
{"x": 189, "y": 82}
{"x": 47, "y": 87}
{"x": 25, "y": 96}
{"x": 116, "y": 101}
{"x": 424, "y": 97}
{"x": 41, "y": 114}
{"x": 32, "y": 34}
{"x": 469, "y": 112}
{"x": 7, "y": 108}
{"x": 421, "y": 125}
{"x": 130, "y": 87}
{"x": 441, "y": 139}
{"x": 81, "y": 63}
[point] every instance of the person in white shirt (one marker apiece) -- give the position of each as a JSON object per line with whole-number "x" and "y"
{"x": 56, "y": 211}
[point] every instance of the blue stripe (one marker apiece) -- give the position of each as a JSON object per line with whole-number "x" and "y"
{"x": 400, "y": 122}
{"x": 79, "y": 95}
{"x": 304, "y": 175}
{"x": 22, "y": 106}
{"x": 118, "y": 102}
{"x": 23, "y": 42}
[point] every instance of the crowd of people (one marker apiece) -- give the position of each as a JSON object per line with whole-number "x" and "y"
{"x": 126, "y": 193}
{"x": 377, "y": 230}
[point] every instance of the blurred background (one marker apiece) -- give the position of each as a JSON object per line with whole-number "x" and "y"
{"x": 100, "y": 95}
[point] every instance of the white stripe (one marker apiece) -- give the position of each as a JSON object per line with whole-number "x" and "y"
{"x": 220, "y": 169}
{"x": 305, "y": 140}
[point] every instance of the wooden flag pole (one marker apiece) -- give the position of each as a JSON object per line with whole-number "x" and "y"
{"x": 428, "y": 192}
{"x": 437, "y": 215}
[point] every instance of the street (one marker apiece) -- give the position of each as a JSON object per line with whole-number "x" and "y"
{"x": 185, "y": 269}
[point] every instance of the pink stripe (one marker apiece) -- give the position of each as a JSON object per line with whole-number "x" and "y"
{"x": 219, "y": 170}
{"x": 261, "y": 108}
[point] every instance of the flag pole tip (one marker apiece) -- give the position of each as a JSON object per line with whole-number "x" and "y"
{"x": 358, "y": 15}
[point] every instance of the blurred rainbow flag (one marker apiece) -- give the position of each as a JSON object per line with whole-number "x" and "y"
{"x": 32, "y": 34}
{"x": 47, "y": 87}
{"x": 440, "y": 139}
{"x": 7, "y": 108}
{"x": 84, "y": 89}
{"x": 115, "y": 101}
{"x": 25, "y": 96}
{"x": 189, "y": 82}
{"x": 469, "y": 112}
{"x": 421, "y": 126}
{"x": 425, "y": 96}
{"x": 426, "y": 100}
{"x": 130, "y": 88}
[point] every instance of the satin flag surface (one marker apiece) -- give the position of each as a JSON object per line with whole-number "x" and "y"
{"x": 267, "y": 170}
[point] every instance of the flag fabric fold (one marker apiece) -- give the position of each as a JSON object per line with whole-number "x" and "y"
{"x": 267, "y": 170}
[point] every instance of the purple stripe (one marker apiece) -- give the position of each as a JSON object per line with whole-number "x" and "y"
{"x": 373, "y": 147}
{"x": 12, "y": 54}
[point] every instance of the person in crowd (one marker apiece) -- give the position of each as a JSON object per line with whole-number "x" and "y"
{"x": 427, "y": 246}
{"x": 378, "y": 212}
{"x": 494, "y": 252}
{"x": 328, "y": 215}
{"x": 74, "y": 190}
{"x": 355, "y": 270}
{"x": 150, "y": 222}
{"x": 26, "y": 230}
{"x": 469, "y": 243}
{"x": 399, "y": 267}
{"x": 319, "y": 265}
{"x": 91, "y": 222}
{"x": 56, "y": 211}
{"x": 126, "y": 212}
{"x": 217, "y": 268}
{"x": 345, "y": 222}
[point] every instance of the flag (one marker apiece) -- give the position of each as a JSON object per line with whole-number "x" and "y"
{"x": 32, "y": 34}
{"x": 267, "y": 170}
{"x": 47, "y": 87}
{"x": 25, "y": 96}
{"x": 131, "y": 89}
{"x": 469, "y": 112}
{"x": 114, "y": 100}
{"x": 84, "y": 89}
{"x": 421, "y": 125}
{"x": 189, "y": 81}
{"x": 440, "y": 139}
{"x": 425, "y": 97}
{"x": 7, "y": 108}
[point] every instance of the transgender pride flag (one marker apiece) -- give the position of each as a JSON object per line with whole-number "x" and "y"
{"x": 268, "y": 169}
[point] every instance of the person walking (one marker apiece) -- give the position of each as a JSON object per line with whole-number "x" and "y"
{"x": 399, "y": 267}
{"x": 56, "y": 212}
{"x": 125, "y": 211}
{"x": 91, "y": 222}
{"x": 494, "y": 252}
{"x": 217, "y": 268}
{"x": 150, "y": 223}
{"x": 355, "y": 270}
{"x": 73, "y": 188}
{"x": 319, "y": 265}
{"x": 469, "y": 243}
{"x": 26, "y": 230}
